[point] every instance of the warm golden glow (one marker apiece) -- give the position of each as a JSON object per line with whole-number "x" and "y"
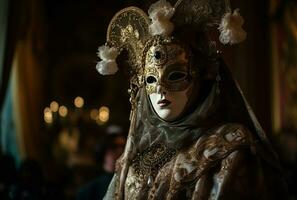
{"x": 69, "y": 140}
{"x": 99, "y": 122}
{"x": 79, "y": 102}
{"x": 94, "y": 114}
{"x": 103, "y": 114}
{"x": 63, "y": 111}
{"x": 47, "y": 109}
{"x": 64, "y": 138}
{"x": 54, "y": 106}
{"x": 48, "y": 117}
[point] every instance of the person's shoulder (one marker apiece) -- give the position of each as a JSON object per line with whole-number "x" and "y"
{"x": 232, "y": 132}
{"x": 222, "y": 140}
{"x": 210, "y": 150}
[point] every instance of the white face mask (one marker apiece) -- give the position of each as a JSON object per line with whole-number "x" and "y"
{"x": 167, "y": 80}
{"x": 169, "y": 105}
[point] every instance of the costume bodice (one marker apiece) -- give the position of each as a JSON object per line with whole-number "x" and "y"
{"x": 179, "y": 177}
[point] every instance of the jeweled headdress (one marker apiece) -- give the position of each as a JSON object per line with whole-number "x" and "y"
{"x": 135, "y": 32}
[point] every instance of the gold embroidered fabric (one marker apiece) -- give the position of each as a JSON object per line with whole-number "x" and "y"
{"x": 149, "y": 162}
{"x": 218, "y": 166}
{"x": 188, "y": 166}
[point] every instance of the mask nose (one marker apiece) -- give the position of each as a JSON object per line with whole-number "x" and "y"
{"x": 161, "y": 90}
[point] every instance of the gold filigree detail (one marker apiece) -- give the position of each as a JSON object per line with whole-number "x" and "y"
{"x": 152, "y": 159}
{"x": 163, "y": 56}
{"x": 151, "y": 70}
{"x": 128, "y": 30}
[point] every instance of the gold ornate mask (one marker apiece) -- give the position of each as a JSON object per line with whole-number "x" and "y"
{"x": 167, "y": 64}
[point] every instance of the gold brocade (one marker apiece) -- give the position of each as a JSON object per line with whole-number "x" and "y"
{"x": 181, "y": 172}
{"x": 152, "y": 159}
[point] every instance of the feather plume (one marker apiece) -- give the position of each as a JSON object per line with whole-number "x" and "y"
{"x": 160, "y": 13}
{"x": 108, "y": 65}
{"x": 231, "y": 28}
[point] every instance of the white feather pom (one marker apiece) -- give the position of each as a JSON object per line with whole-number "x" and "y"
{"x": 160, "y": 14}
{"x": 108, "y": 65}
{"x": 231, "y": 28}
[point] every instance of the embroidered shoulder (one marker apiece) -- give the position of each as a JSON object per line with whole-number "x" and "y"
{"x": 233, "y": 132}
{"x": 222, "y": 141}
{"x": 207, "y": 152}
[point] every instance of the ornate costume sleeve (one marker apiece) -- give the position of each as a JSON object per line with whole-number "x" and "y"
{"x": 242, "y": 175}
{"x": 232, "y": 178}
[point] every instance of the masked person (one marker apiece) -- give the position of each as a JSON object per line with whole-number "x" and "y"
{"x": 192, "y": 134}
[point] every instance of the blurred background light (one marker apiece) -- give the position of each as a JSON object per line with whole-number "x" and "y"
{"x": 63, "y": 111}
{"x": 103, "y": 114}
{"x": 94, "y": 114}
{"x": 48, "y": 116}
{"x": 79, "y": 102}
{"x": 46, "y": 109}
{"x": 54, "y": 106}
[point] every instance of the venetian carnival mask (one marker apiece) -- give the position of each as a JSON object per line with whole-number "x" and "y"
{"x": 156, "y": 59}
{"x": 167, "y": 79}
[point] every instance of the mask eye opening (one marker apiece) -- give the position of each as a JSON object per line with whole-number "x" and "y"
{"x": 177, "y": 76}
{"x": 151, "y": 79}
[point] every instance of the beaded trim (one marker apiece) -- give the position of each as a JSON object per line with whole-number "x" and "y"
{"x": 152, "y": 159}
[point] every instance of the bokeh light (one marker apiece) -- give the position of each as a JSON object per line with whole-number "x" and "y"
{"x": 103, "y": 114}
{"x": 46, "y": 109}
{"x": 79, "y": 102}
{"x": 63, "y": 111}
{"x": 48, "y": 116}
{"x": 54, "y": 106}
{"x": 94, "y": 114}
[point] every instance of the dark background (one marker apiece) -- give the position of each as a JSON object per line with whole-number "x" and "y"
{"x": 62, "y": 37}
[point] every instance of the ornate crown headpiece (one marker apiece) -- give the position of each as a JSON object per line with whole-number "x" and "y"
{"x": 133, "y": 30}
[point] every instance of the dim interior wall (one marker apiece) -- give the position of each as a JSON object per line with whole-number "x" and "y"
{"x": 250, "y": 61}
{"x": 275, "y": 95}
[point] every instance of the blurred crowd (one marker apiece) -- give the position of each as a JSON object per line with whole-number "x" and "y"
{"x": 28, "y": 181}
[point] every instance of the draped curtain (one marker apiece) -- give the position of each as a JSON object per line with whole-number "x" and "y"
{"x": 29, "y": 59}
{"x": 25, "y": 62}
{"x": 8, "y": 137}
